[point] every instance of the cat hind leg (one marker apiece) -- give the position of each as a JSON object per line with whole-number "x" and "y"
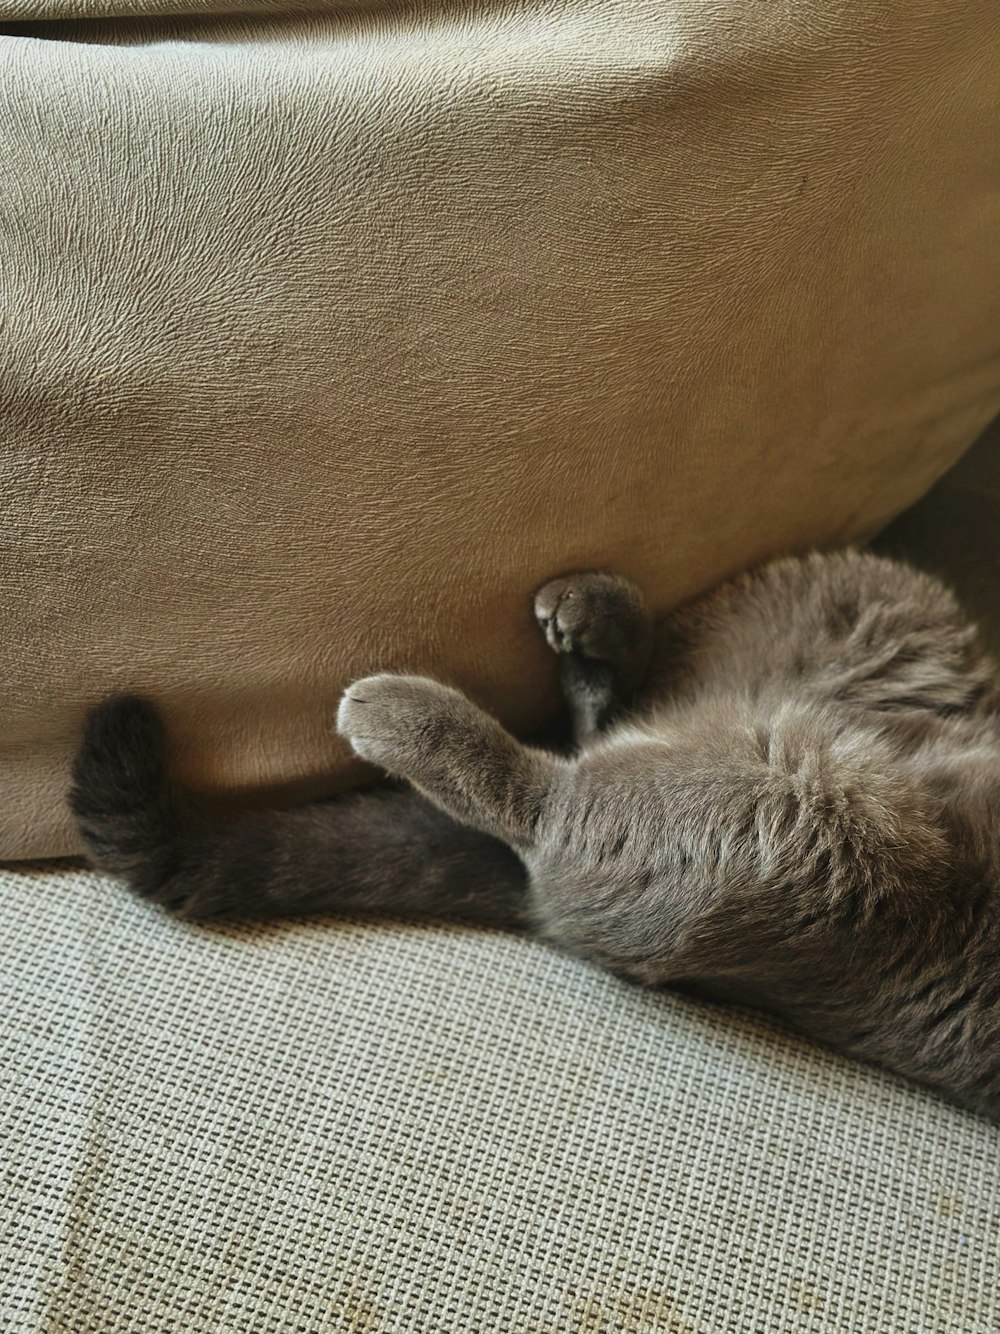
{"x": 598, "y": 625}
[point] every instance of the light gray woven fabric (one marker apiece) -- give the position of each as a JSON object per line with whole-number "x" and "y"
{"x": 380, "y": 1129}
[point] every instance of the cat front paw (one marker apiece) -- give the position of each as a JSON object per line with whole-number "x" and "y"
{"x": 598, "y": 616}
{"x": 389, "y": 720}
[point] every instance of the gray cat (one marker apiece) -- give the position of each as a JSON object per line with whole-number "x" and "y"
{"x": 785, "y": 794}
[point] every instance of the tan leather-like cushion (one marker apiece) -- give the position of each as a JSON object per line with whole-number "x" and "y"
{"x": 325, "y": 338}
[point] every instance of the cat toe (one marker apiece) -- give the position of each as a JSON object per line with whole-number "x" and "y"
{"x": 551, "y": 614}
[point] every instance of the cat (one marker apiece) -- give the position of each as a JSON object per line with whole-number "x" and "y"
{"x": 785, "y": 794}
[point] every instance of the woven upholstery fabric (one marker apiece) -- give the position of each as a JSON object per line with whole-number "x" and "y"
{"x": 348, "y": 1128}
{"x": 326, "y": 337}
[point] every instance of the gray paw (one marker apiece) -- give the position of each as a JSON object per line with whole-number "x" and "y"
{"x": 599, "y": 616}
{"x": 387, "y": 718}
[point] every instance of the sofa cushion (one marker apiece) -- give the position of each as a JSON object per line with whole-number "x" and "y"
{"x": 339, "y": 1126}
{"x": 325, "y": 337}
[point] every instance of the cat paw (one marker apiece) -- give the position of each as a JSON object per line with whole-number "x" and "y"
{"x": 598, "y": 616}
{"x": 390, "y": 719}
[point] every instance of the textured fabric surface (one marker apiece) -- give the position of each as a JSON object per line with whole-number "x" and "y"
{"x": 325, "y": 338}
{"x": 351, "y": 1129}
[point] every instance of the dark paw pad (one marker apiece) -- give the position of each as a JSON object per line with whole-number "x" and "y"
{"x": 598, "y": 616}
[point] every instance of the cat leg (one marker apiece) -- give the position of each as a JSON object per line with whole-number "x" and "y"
{"x": 599, "y": 627}
{"x": 892, "y": 638}
{"x": 382, "y": 851}
{"x": 849, "y": 627}
{"x": 451, "y": 751}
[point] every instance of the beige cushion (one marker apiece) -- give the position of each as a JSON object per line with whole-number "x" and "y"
{"x": 325, "y": 338}
{"x": 349, "y": 1129}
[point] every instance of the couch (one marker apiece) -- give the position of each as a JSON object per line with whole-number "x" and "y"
{"x": 328, "y": 330}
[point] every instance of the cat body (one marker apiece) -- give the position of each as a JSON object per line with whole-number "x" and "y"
{"x": 785, "y": 794}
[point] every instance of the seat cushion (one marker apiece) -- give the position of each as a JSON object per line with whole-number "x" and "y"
{"x": 393, "y": 1129}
